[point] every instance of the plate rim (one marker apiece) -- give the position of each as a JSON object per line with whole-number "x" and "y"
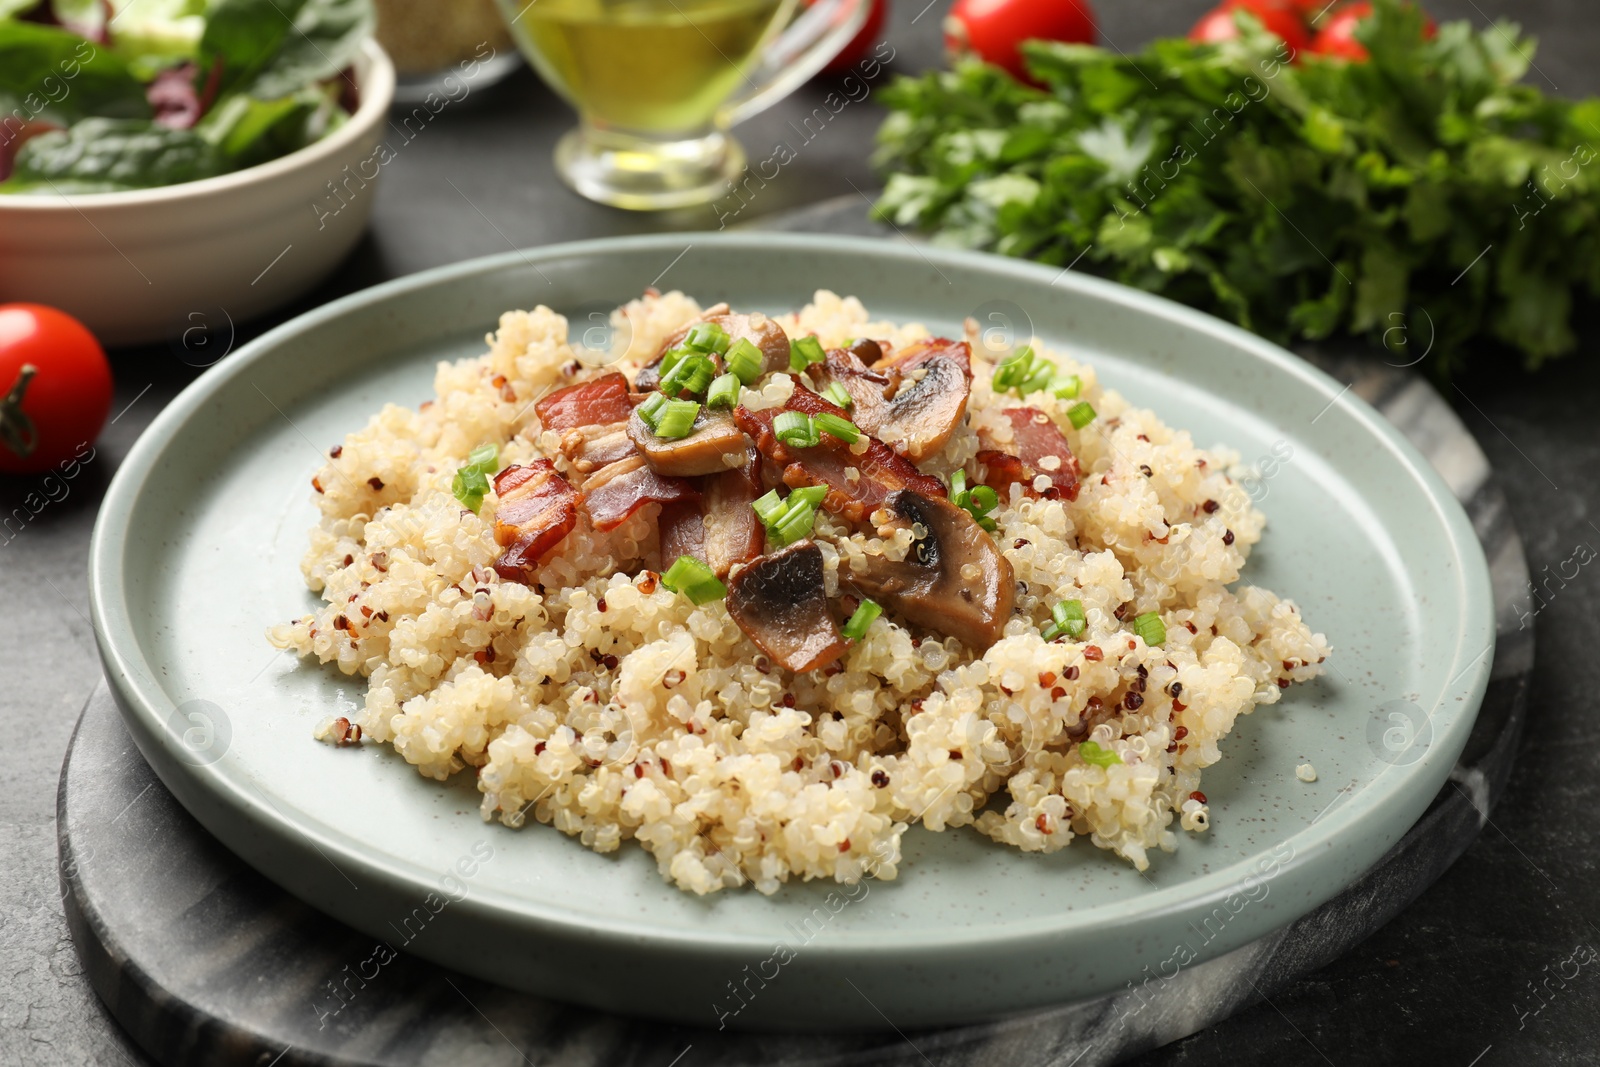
{"x": 137, "y": 696}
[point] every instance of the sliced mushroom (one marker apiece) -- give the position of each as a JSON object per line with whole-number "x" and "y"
{"x": 766, "y": 335}
{"x": 913, "y": 400}
{"x": 931, "y": 586}
{"x": 715, "y": 444}
{"x": 722, "y": 529}
{"x": 780, "y": 603}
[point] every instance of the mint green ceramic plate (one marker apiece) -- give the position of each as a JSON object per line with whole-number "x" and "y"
{"x": 197, "y": 551}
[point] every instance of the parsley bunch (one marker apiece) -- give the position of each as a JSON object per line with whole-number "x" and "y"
{"x": 1425, "y": 198}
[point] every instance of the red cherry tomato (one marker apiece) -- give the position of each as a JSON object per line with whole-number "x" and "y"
{"x": 55, "y": 388}
{"x": 1279, "y": 17}
{"x": 1337, "y": 37}
{"x": 871, "y": 30}
{"x": 992, "y": 29}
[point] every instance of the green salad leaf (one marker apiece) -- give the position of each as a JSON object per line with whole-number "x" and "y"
{"x": 99, "y": 155}
{"x": 327, "y": 35}
{"x": 60, "y": 77}
{"x": 1425, "y": 198}
{"x": 241, "y": 37}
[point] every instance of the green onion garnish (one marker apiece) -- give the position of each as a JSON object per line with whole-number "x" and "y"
{"x": 838, "y": 396}
{"x": 811, "y": 495}
{"x": 864, "y": 616}
{"x": 804, "y": 351}
{"x": 1012, "y": 369}
{"x": 672, "y": 358}
{"x": 694, "y": 580}
{"x": 769, "y": 508}
{"x": 471, "y": 483}
{"x": 795, "y": 524}
{"x": 724, "y": 392}
{"x": 1067, "y": 620}
{"x": 1068, "y": 387}
{"x": 795, "y": 428}
{"x": 650, "y": 410}
{"x": 692, "y": 373}
{"x": 1100, "y": 757}
{"x": 789, "y": 519}
{"x": 1080, "y": 414}
{"x": 707, "y": 337}
{"x": 676, "y": 419}
{"x": 1150, "y": 627}
{"x": 843, "y": 429}
{"x": 743, "y": 359}
{"x": 978, "y": 501}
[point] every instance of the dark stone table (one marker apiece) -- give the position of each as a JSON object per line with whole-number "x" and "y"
{"x": 1470, "y": 974}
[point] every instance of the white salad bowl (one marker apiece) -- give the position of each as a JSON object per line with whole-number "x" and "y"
{"x": 154, "y": 264}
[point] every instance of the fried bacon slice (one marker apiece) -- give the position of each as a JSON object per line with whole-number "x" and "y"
{"x": 1035, "y": 437}
{"x": 879, "y": 470}
{"x": 613, "y": 494}
{"x": 589, "y": 448}
{"x": 722, "y": 529}
{"x": 597, "y": 403}
{"x": 537, "y": 509}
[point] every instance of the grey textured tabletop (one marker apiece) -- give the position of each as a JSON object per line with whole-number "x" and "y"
{"x": 1469, "y": 974}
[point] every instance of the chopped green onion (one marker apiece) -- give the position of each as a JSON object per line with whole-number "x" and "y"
{"x": 843, "y": 429}
{"x": 1042, "y": 375}
{"x": 958, "y": 486}
{"x": 811, "y": 495}
{"x": 984, "y": 500}
{"x": 1100, "y": 757}
{"x": 707, "y": 337}
{"x": 1067, "y": 620}
{"x": 804, "y": 351}
{"x": 673, "y": 357}
{"x": 743, "y": 359}
{"x": 837, "y": 395}
{"x": 769, "y": 508}
{"x": 693, "y": 373}
{"x": 864, "y": 616}
{"x": 694, "y": 580}
{"x": 676, "y": 419}
{"x": 724, "y": 392}
{"x": 795, "y": 524}
{"x": 1150, "y": 627}
{"x": 1068, "y": 387}
{"x": 795, "y": 428}
{"x": 978, "y": 501}
{"x": 1080, "y": 414}
{"x": 650, "y": 410}
{"x": 1013, "y": 369}
{"x": 471, "y": 483}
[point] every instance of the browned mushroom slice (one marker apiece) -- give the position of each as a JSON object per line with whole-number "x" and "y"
{"x": 931, "y": 586}
{"x": 722, "y": 529}
{"x": 780, "y": 603}
{"x": 913, "y": 400}
{"x": 715, "y": 444}
{"x": 868, "y": 389}
{"x": 766, "y": 335}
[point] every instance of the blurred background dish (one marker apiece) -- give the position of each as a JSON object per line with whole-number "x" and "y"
{"x": 138, "y": 266}
{"x": 429, "y": 39}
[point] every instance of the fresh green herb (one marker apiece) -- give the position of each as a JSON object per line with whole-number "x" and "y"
{"x": 724, "y": 392}
{"x": 1080, "y": 414}
{"x": 796, "y": 429}
{"x": 1150, "y": 627}
{"x": 837, "y": 395}
{"x": 707, "y": 337}
{"x": 843, "y": 429}
{"x": 692, "y": 374}
{"x": 978, "y": 500}
{"x": 804, "y": 351}
{"x": 649, "y": 411}
{"x": 675, "y": 419}
{"x": 1066, "y": 387}
{"x": 1066, "y": 620}
{"x": 671, "y": 358}
{"x": 862, "y": 619}
{"x": 744, "y": 359}
{"x": 1426, "y": 199}
{"x": 693, "y": 579}
{"x": 1100, "y": 757}
{"x": 471, "y": 483}
{"x": 769, "y": 507}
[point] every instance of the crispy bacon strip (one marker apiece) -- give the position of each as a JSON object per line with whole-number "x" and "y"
{"x": 881, "y": 470}
{"x": 590, "y": 448}
{"x": 723, "y": 528}
{"x": 613, "y": 494}
{"x": 1034, "y": 437}
{"x": 537, "y": 509}
{"x": 604, "y": 400}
